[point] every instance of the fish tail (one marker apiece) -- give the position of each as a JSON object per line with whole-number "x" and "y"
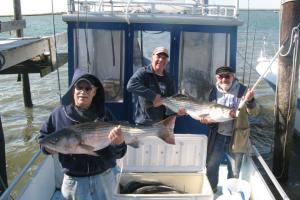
{"x": 166, "y": 129}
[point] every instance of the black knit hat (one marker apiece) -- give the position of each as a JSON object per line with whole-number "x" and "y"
{"x": 224, "y": 70}
{"x": 82, "y": 74}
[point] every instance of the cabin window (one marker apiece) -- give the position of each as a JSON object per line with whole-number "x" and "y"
{"x": 199, "y": 51}
{"x": 102, "y": 52}
{"x": 144, "y": 43}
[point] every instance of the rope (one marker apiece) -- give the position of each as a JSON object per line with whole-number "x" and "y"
{"x": 55, "y": 46}
{"x": 296, "y": 28}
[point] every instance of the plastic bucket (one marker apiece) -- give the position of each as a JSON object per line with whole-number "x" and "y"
{"x": 229, "y": 197}
{"x": 238, "y": 188}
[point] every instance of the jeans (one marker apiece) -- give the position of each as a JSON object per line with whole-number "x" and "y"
{"x": 97, "y": 187}
{"x": 220, "y": 151}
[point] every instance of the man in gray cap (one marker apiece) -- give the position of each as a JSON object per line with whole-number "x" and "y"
{"x": 229, "y": 139}
{"x": 149, "y": 84}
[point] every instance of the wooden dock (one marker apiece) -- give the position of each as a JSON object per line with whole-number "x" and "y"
{"x": 31, "y": 55}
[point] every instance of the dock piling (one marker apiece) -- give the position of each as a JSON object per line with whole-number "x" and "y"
{"x": 25, "y": 76}
{"x": 286, "y": 94}
{"x": 3, "y": 175}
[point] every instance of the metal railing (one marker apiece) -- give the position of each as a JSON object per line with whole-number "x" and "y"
{"x": 13, "y": 184}
{"x": 270, "y": 174}
{"x": 128, "y": 7}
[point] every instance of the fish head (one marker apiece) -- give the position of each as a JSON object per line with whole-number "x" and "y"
{"x": 61, "y": 141}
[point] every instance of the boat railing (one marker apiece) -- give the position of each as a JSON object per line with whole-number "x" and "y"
{"x": 157, "y": 7}
{"x": 7, "y": 193}
{"x": 270, "y": 174}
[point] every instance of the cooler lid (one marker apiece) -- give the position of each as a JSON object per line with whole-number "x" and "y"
{"x": 154, "y": 155}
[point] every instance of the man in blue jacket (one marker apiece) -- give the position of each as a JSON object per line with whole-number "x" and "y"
{"x": 85, "y": 176}
{"x": 149, "y": 84}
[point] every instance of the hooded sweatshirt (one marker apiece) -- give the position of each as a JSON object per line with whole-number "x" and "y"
{"x": 228, "y": 98}
{"x": 65, "y": 115}
{"x": 145, "y": 85}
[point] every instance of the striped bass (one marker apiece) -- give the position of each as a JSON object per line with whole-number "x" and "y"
{"x": 86, "y": 138}
{"x": 198, "y": 109}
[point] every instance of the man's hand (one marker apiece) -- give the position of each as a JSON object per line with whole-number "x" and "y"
{"x": 232, "y": 113}
{"x": 181, "y": 111}
{"x": 50, "y": 151}
{"x": 156, "y": 101}
{"x": 249, "y": 95}
{"x": 116, "y": 136}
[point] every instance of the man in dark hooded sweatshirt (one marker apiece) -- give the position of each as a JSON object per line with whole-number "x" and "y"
{"x": 85, "y": 176}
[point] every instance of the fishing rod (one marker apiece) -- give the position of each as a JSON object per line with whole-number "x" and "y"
{"x": 243, "y": 101}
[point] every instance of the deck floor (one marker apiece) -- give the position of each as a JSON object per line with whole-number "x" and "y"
{"x": 56, "y": 195}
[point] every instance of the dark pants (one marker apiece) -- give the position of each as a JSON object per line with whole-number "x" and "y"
{"x": 220, "y": 152}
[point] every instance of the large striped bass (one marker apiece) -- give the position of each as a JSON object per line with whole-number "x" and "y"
{"x": 197, "y": 109}
{"x": 86, "y": 138}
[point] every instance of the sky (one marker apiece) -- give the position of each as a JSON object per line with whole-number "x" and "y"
{"x": 33, "y": 6}
{"x": 45, "y": 6}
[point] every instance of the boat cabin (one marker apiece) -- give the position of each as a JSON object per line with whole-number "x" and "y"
{"x": 114, "y": 39}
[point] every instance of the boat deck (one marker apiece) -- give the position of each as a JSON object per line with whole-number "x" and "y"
{"x": 56, "y": 195}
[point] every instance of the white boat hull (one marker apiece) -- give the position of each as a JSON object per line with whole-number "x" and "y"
{"x": 46, "y": 181}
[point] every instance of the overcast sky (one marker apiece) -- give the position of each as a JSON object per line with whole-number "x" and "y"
{"x": 44, "y": 6}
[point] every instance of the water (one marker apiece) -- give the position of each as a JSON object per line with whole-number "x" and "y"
{"x": 261, "y": 25}
{"x": 21, "y": 125}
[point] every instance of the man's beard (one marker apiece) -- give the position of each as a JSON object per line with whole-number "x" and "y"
{"x": 225, "y": 87}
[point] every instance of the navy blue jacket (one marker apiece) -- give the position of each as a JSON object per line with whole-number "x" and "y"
{"x": 145, "y": 85}
{"x": 81, "y": 164}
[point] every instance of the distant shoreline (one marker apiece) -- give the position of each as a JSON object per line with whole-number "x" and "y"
{"x": 260, "y": 9}
{"x": 40, "y": 14}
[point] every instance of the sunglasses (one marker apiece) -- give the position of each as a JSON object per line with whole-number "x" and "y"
{"x": 83, "y": 88}
{"x": 226, "y": 76}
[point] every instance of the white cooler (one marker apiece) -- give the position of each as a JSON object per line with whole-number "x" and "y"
{"x": 181, "y": 166}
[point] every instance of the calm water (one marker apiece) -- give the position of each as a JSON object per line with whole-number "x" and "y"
{"x": 21, "y": 125}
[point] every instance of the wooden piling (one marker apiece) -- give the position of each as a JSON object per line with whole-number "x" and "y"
{"x": 286, "y": 95}
{"x": 3, "y": 175}
{"x": 25, "y": 76}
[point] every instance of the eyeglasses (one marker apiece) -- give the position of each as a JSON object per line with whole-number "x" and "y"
{"x": 226, "y": 76}
{"x": 83, "y": 88}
